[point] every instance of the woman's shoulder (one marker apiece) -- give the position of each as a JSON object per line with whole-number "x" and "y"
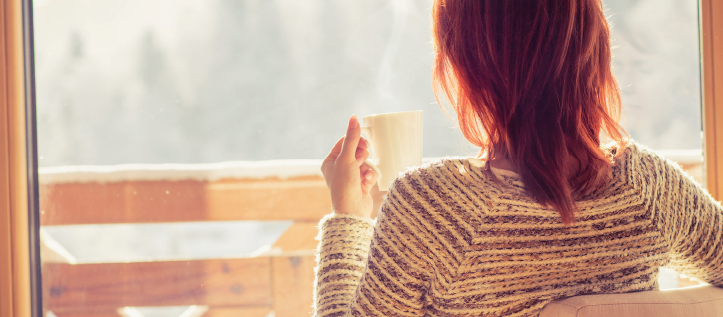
{"x": 633, "y": 152}
{"x": 630, "y": 149}
{"x": 431, "y": 171}
{"x": 640, "y": 164}
{"x": 453, "y": 169}
{"x": 439, "y": 190}
{"x": 444, "y": 174}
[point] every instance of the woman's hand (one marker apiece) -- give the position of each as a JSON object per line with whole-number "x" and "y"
{"x": 348, "y": 179}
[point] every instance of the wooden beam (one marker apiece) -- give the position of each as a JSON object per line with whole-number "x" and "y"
{"x": 221, "y": 282}
{"x": 304, "y": 198}
{"x": 300, "y": 198}
{"x": 14, "y": 239}
{"x": 711, "y": 33}
{"x": 94, "y": 311}
{"x": 122, "y": 202}
{"x": 300, "y": 236}
{"x": 293, "y": 280}
{"x": 88, "y": 311}
{"x": 237, "y": 312}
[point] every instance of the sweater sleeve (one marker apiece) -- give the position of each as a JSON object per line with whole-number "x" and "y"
{"x": 363, "y": 270}
{"x": 689, "y": 218}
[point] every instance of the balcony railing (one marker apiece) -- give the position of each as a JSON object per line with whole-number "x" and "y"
{"x": 280, "y": 280}
{"x": 277, "y": 282}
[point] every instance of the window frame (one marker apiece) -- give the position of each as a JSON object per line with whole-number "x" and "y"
{"x": 711, "y": 70}
{"x": 20, "y": 284}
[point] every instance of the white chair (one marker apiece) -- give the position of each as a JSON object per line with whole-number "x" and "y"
{"x": 696, "y": 301}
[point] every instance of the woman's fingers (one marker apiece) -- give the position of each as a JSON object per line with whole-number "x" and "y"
{"x": 364, "y": 172}
{"x": 368, "y": 177}
{"x": 349, "y": 190}
{"x": 351, "y": 140}
{"x": 334, "y": 153}
{"x": 336, "y": 150}
{"x": 363, "y": 143}
{"x": 361, "y": 155}
{"x": 369, "y": 180}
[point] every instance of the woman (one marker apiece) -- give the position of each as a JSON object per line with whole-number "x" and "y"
{"x": 546, "y": 211}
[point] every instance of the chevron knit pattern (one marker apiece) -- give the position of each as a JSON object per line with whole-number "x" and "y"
{"x": 455, "y": 239}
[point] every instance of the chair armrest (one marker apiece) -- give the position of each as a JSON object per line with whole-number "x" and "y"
{"x": 700, "y": 301}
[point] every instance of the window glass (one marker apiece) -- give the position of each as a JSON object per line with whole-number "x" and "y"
{"x": 657, "y": 67}
{"x": 179, "y": 140}
{"x": 208, "y": 81}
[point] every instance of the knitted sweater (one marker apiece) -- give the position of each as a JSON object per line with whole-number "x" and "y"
{"x": 450, "y": 240}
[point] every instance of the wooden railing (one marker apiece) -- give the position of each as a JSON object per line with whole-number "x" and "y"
{"x": 278, "y": 283}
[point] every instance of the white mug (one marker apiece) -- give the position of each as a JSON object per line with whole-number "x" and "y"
{"x": 396, "y": 143}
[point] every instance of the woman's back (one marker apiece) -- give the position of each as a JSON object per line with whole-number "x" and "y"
{"x": 531, "y": 85}
{"x": 451, "y": 240}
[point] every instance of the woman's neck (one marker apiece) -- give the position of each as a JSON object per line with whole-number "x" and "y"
{"x": 503, "y": 164}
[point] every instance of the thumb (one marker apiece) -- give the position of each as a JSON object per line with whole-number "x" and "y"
{"x": 351, "y": 141}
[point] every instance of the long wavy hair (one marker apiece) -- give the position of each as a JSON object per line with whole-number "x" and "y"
{"x": 531, "y": 81}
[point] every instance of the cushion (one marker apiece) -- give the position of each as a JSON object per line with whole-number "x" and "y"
{"x": 699, "y": 301}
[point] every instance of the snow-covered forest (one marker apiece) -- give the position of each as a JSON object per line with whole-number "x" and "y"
{"x": 191, "y": 81}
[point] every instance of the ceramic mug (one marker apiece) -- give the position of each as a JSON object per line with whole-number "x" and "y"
{"x": 396, "y": 143}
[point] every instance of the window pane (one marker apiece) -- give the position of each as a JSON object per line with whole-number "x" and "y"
{"x": 657, "y": 66}
{"x": 180, "y": 140}
{"x": 208, "y": 81}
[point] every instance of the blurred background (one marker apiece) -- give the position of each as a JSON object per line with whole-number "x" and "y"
{"x": 192, "y": 82}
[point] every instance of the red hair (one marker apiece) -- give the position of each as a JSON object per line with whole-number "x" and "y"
{"x": 531, "y": 81}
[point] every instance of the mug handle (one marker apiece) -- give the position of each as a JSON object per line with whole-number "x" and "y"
{"x": 366, "y": 130}
{"x": 369, "y": 162}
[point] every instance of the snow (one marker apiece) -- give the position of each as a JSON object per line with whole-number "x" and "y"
{"x": 282, "y": 169}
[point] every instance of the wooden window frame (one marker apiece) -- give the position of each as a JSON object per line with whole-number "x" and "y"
{"x": 20, "y": 285}
{"x": 711, "y": 70}
{"x": 19, "y": 256}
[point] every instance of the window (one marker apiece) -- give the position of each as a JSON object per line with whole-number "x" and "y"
{"x": 178, "y": 140}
